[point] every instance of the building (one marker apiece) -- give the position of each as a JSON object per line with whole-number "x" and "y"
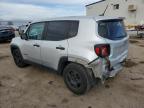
{"x": 132, "y": 10}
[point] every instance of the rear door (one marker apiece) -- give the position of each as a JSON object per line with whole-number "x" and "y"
{"x": 55, "y": 43}
{"x": 113, "y": 31}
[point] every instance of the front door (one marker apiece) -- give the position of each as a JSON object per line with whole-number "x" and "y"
{"x": 32, "y": 46}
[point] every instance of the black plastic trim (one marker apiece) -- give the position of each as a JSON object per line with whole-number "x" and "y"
{"x": 93, "y": 61}
{"x": 62, "y": 63}
{"x": 13, "y": 47}
{"x": 40, "y": 65}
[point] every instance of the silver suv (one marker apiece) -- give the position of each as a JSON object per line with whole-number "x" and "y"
{"x": 82, "y": 49}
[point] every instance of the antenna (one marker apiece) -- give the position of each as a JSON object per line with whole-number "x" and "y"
{"x": 104, "y": 11}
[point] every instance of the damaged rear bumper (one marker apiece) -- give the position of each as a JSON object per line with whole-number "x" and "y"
{"x": 104, "y": 68}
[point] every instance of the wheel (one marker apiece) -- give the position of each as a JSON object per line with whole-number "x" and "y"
{"x": 18, "y": 59}
{"x": 76, "y": 78}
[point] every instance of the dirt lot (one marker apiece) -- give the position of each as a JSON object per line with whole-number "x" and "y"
{"x": 36, "y": 87}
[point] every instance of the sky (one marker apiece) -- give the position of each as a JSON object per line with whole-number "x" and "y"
{"x": 41, "y": 9}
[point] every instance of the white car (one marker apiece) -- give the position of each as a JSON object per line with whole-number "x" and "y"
{"x": 82, "y": 49}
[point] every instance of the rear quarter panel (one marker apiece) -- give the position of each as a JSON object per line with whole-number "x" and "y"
{"x": 81, "y": 47}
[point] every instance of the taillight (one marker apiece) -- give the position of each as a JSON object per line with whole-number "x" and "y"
{"x": 102, "y": 50}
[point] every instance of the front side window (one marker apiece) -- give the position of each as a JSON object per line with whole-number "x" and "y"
{"x": 112, "y": 29}
{"x": 35, "y": 31}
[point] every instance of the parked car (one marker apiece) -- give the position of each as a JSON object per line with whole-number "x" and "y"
{"x": 6, "y": 33}
{"x": 82, "y": 49}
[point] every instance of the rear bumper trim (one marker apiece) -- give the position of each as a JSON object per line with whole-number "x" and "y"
{"x": 102, "y": 70}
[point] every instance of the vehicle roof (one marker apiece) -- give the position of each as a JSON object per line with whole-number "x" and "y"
{"x": 96, "y": 18}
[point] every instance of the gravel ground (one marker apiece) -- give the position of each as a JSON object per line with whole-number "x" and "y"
{"x": 36, "y": 87}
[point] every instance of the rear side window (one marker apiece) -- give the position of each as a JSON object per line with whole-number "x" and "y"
{"x": 74, "y": 25}
{"x": 112, "y": 29}
{"x": 61, "y": 30}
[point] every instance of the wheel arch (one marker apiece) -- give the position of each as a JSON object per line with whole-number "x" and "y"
{"x": 13, "y": 46}
{"x": 64, "y": 61}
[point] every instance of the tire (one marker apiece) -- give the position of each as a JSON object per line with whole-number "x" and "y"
{"x": 76, "y": 78}
{"x": 18, "y": 59}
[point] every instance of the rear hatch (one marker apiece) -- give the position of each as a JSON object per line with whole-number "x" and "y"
{"x": 114, "y": 33}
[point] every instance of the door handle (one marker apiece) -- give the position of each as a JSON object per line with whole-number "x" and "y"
{"x": 60, "y": 48}
{"x": 36, "y": 45}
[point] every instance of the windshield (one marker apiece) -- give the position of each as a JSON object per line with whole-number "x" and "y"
{"x": 112, "y": 29}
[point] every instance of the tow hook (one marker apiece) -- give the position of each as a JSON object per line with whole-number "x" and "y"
{"x": 108, "y": 64}
{"x": 108, "y": 67}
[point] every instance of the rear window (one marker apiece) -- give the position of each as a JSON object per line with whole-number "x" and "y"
{"x": 112, "y": 29}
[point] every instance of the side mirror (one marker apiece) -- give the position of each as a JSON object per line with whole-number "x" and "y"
{"x": 20, "y": 32}
{"x": 24, "y": 36}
